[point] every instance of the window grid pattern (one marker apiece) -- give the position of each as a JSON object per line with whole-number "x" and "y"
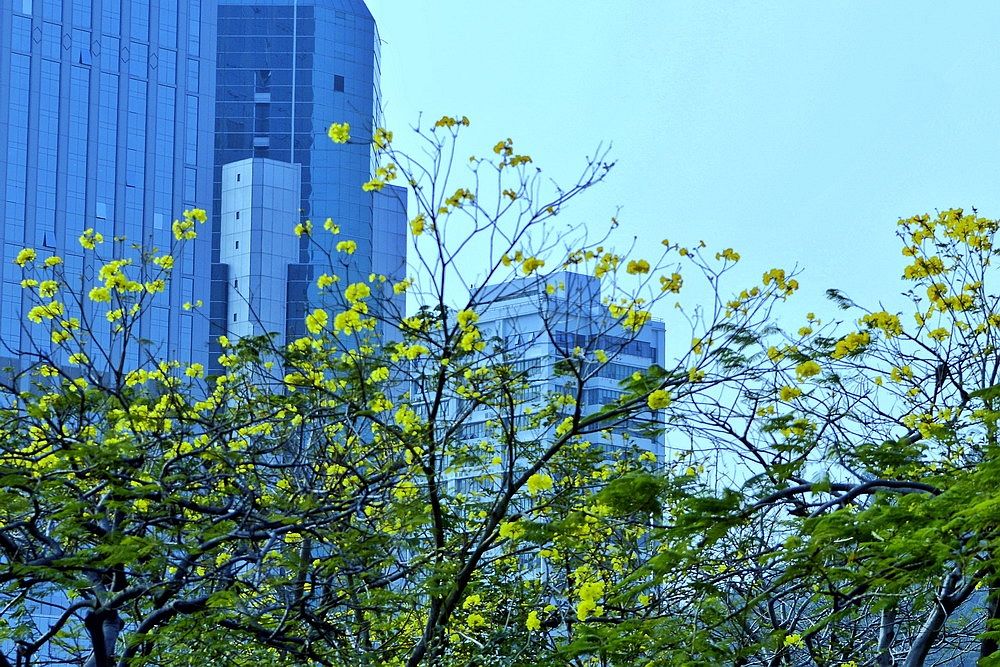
{"x": 283, "y": 74}
{"x": 122, "y": 159}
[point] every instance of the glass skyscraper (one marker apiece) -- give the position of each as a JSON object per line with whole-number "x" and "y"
{"x": 105, "y": 123}
{"x": 286, "y": 70}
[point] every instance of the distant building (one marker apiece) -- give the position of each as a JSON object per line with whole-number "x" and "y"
{"x": 286, "y": 71}
{"x": 537, "y": 329}
{"x": 105, "y": 123}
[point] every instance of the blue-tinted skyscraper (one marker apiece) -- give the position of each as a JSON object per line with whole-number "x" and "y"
{"x": 286, "y": 70}
{"x": 105, "y": 123}
{"x": 539, "y": 329}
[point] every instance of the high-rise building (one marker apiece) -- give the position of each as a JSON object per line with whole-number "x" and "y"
{"x": 105, "y": 123}
{"x": 540, "y": 327}
{"x": 286, "y": 70}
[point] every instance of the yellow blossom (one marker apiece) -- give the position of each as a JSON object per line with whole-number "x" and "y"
{"x": 658, "y": 400}
{"x": 316, "y": 321}
{"x": 357, "y": 291}
{"x": 339, "y": 133}
{"x": 48, "y": 288}
{"x": 26, "y": 255}
{"x": 379, "y": 374}
{"x": 850, "y": 344}
{"x": 635, "y": 267}
{"x": 466, "y": 319}
{"x": 511, "y": 530}
{"x": 382, "y": 138}
{"x": 807, "y": 369}
{"x": 417, "y": 225}
{"x": 729, "y": 255}
{"x": 788, "y": 393}
{"x": 531, "y": 264}
{"x": 887, "y": 322}
{"x": 89, "y": 239}
{"x": 348, "y": 321}
{"x": 539, "y": 482}
{"x": 672, "y": 284}
{"x": 198, "y": 215}
{"x": 938, "y": 334}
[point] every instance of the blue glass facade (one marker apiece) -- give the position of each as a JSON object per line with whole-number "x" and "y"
{"x": 286, "y": 70}
{"x": 541, "y": 328}
{"x": 105, "y": 120}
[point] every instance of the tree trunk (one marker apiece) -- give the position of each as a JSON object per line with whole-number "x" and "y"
{"x": 104, "y": 628}
{"x": 886, "y": 635}
{"x": 947, "y": 599}
{"x": 991, "y": 645}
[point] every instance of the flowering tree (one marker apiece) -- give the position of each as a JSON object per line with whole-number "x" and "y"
{"x": 324, "y": 499}
{"x": 849, "y": 520}
{"x": 427, "y": 489}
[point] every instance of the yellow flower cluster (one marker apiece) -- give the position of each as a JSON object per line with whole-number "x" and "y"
{"x": 532, "y": 264}
{"x": 658, "y": 400}
{"x": 461, "y": 196}
{"x": 339, "y": 133}
{"x": 924, "y": 267}
{"x": 672, "y": 284}
{"x": 450, "y": 121}
{"x": 629, "y": 315}
{"x": 354, "y": 294}
{"x": 316, "y": 321}
{"x": 382, "y": 138}
{"x": 888, "y": 323}
{"x": 975, "y": 232}
{"x": 590, "y": 593}
{"x": 90, "y": 239}
{"x": 326, "y": 280}
{"x": 25, "y": 256}
{"x": 637, "y": 266}
{"x": 471, "y": 338}
{"x": 47, "y": 311}
{"x": 511, "y": 530}
{"x": 607, "y": 263}
{"x": 808, "y": 369}
{"x": 850, "y": 344}
{"x": 539, "y": 482}
{"x": 786, "y": 286}
{"x": 729, "y": 255}
{"x": 351, "y": 321}
{"x": 408, "y": 419}
{"x": 417, "y": 225}
{"x": 788, "y": 393}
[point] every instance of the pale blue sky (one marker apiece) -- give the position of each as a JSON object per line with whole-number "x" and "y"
{"x": 796, "y": 132}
